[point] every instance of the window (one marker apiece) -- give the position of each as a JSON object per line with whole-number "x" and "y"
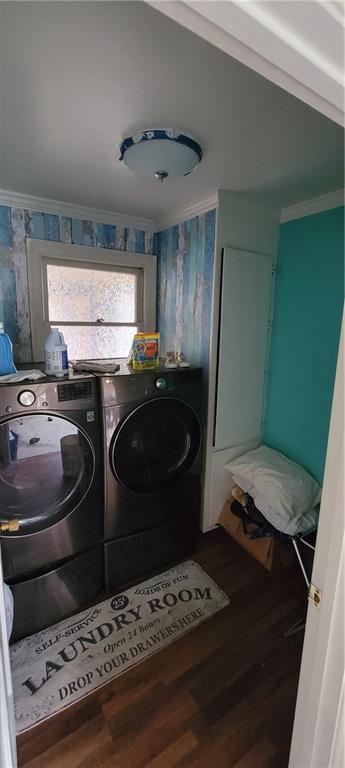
{"x": 97, "y": 298}
{"x": 98, "y": 309}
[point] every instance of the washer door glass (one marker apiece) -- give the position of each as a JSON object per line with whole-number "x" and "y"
{"x": 155, "y": 445}
{"x": 46, "y": 468}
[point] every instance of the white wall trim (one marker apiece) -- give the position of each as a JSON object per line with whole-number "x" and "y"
{"x": 254, "y": 42}
{"x": 314, "y": 205}
{"x": 296, "y": 211}
{"x": 45, "y": 205}
{"x": 196, "y": 209}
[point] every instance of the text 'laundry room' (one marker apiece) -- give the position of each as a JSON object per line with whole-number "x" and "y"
{"x": 171, "y": 385}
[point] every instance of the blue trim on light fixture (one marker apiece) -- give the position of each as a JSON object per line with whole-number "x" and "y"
{"x": 154, "y": 134}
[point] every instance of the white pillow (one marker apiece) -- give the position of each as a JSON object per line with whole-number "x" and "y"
{"x": 282, "y": 490}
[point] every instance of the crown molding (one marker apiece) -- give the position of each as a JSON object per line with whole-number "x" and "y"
{"x": 45, "y": 205}
{"x": 249, "y": 32}
{"x": 183, "y": 214}
{"x": 314, "y": 205}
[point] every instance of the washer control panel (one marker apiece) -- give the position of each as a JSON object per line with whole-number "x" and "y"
{"x": 26, "y": 397}
{"x": 77, "y": 394}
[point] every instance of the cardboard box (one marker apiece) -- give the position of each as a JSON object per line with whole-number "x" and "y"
{"x": 268, "y": 551}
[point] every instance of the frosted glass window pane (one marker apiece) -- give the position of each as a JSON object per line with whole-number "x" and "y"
{"x": 85, "y": 295}
{"x": 97, "y": 342}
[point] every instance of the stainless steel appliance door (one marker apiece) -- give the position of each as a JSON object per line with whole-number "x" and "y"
{"x": 47, "y": 465}
{"x": 155, "y": 445}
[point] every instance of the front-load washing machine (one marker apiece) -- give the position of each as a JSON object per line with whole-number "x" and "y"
{"x": 153, "y": 456}
{"x": 51, "y": 483}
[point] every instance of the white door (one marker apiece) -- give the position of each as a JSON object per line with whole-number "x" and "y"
{"x": 242, "y": 353}
{"x": 318, "y": 737}
{"x": 8, "y": 752}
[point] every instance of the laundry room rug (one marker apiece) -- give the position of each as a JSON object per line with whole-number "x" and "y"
{"x": 60, "y": 665}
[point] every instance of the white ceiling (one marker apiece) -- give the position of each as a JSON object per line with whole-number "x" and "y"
{"x": 297, "y": 45}
{"x": 78, "y": 76}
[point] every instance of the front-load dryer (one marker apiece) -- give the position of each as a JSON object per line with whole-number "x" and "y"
{"x": 51, "y": 483}
{"x": 153, "y": 456}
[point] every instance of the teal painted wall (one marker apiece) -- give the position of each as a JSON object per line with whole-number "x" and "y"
{"x": 308, "y": 304}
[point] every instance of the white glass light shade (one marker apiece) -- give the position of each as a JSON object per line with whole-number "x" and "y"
{"x": 161, "y": 153}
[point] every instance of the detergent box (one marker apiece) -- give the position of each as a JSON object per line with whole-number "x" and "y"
{"x": 145, "y": 351}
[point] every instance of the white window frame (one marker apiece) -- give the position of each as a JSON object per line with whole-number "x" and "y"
{"x": 41, "y": 251}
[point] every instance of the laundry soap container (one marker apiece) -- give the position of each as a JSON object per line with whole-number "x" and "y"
{"x": 6, "y": 354}
{"x": 145, "y": 351}
{"x": 55, "y": 354}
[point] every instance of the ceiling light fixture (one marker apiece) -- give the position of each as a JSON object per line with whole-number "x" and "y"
{"x": 161, "y": 153}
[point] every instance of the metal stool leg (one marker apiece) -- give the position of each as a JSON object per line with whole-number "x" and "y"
{"x": 294, "y": 543}
{"x": 300, "y": 624}
{"x": 297, "y": 627}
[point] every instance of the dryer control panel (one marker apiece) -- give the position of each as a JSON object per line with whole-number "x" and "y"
{"x": 161, "y": 383}
{"x": 140, "y": 385}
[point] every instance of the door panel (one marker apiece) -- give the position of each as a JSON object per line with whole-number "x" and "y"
{"x": 155, "y": 445}
{"x": 46, "y": 468}
{"x": 245, "y": 306}
{"x": 8, "y": 752}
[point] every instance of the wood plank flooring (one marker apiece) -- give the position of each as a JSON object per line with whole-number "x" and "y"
{"x": 222, "y": 696}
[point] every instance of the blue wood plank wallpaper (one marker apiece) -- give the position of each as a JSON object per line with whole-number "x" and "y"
{"x": 184, "y": 278}
{"x": 185, "y": 255}
{"x": 15, "y": 226}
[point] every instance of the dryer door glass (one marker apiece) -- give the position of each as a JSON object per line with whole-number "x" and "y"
{"x": 155, "y": 445}
{"x": 46, "y": 468}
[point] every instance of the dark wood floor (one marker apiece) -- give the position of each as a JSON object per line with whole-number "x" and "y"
{"x": 222, "y": 696}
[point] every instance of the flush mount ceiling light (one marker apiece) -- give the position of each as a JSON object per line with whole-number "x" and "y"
{"x": 161, "y": 153}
